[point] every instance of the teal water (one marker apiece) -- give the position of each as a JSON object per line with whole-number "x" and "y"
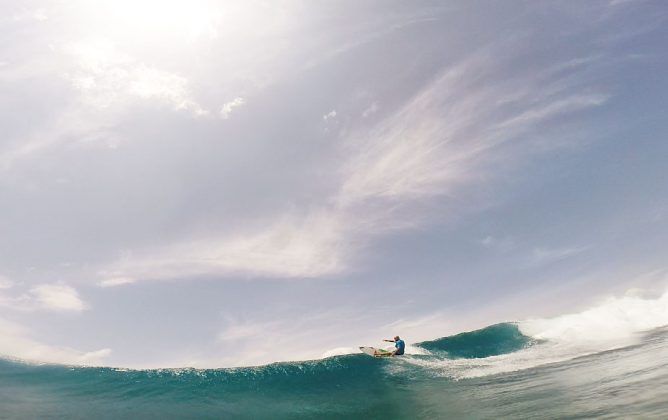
{"x": 491, "y": 341}
{"x": 496, "y": 372}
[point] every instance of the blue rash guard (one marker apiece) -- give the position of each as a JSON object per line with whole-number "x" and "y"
{"x": 400, "y": 345}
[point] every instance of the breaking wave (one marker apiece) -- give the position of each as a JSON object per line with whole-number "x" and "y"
{"x": 453, "y": 367}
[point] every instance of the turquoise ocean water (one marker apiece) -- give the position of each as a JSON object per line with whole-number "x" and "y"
{"x": 495, "y": 372}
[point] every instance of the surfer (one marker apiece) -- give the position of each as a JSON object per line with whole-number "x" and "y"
{"x": 399, "y": 346}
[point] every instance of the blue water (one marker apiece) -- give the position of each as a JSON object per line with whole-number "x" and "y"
{"x": 496, "y": 372}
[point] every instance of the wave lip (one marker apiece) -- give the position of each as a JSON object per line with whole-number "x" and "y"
{"x": 489, "y": 341}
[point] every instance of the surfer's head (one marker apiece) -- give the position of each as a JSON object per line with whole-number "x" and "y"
{"x": 396, "y": 338}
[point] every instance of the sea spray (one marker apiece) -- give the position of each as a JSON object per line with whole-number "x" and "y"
{"x": 617, "y": 320}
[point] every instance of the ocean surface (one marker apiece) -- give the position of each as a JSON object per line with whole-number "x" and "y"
{"x": 497, "y": 372}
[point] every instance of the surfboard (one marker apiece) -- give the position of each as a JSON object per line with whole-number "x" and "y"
{"x": 372, "y": 351}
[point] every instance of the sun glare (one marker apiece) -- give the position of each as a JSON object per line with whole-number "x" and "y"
{"x": 169, "y": 18}
{"x": 170, "y": 23}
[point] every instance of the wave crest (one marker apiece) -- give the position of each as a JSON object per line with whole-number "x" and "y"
{"x": 490, "y": 341}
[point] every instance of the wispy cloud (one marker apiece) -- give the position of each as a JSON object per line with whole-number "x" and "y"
{"x": 116, "y": 281}
{"x": 309, "y": 247}
{"x": 439, "y": 141}
{"x": 562, "y": 106}
{"x": 227, "y": 109}
{"x": 105, "y": 77}
{"x": 385, "y": 27}
{"x": 544, "y": 255}
{"x": 438, "y": 144}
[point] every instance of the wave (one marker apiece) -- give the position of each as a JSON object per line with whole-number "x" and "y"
{"x": 490, "y": 341}
{"x": 349, "y": 385}
{"x": 508, "y": 347}
{"x": 500, "y": 347}
{"x": 352, "y": 372}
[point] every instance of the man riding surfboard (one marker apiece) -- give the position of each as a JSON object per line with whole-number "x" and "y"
{"x": 398, "y": 344}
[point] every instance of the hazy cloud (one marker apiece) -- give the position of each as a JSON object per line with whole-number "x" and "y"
{"x": 5, "y": 283}
{"x": 17, "y": 343}
{"x": 38, "y": 14}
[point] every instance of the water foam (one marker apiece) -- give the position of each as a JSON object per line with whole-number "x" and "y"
{"x": 617, "y": 319}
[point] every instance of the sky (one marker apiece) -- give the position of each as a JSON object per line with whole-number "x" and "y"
{"x": 226, "y": 183}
